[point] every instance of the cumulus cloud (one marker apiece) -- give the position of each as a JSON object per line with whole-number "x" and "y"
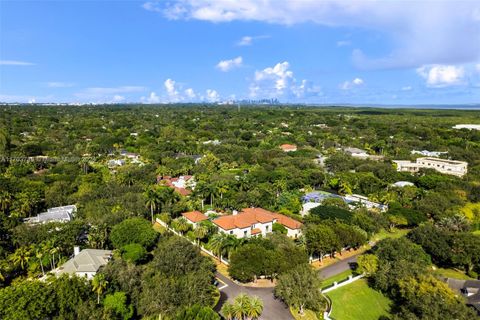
{"x": 279, "y": 82}
{"x": 227, "y": 65}
{"x": 438, "y": 76}
{"x": 447, "y": 35}
{"x": 189, "y": 93}
{"x": 347, "y": 85}
{"x": 118, "y": 98}
{"x": 175, "y": 92}
{"x": 212, "y": 95}
{"x": 152, "y": 98}
{"x": 16, "y": 63}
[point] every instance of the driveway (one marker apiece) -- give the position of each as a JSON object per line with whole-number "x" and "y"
{"x": 273, "y": 309}
{"x": 338, "y": 267}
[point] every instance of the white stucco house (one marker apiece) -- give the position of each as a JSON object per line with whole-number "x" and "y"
{"x": 57, "y": 214}
{"x": 85, "y": 263}
{"x": 456, "y": 168}
{"x": 194, "y": 217}
{"x": 256, "y": 221}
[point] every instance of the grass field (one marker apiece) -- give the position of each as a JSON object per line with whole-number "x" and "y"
{"x": 307, "y": 315}
{"x": 339, "y": 277}
{"x": 358, "y": 301}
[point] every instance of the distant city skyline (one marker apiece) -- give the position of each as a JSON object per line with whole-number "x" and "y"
{"x": 319, "y": 52}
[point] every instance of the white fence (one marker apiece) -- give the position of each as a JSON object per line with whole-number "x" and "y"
{"x": 337, "y": 285}
{"x": 210, "y": 253}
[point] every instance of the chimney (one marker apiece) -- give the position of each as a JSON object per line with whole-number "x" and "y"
{"x": 234, "y": 212}
{"x": 76, "y": 250}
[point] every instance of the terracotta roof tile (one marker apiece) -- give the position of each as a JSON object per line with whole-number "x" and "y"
{"x": 251, "y": 216}
{"x": 195, "y": 216}
{"x": 256, "y": 231}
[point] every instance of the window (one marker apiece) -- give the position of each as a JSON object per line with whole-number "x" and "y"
{"x": 231, "y": 232}
{"x": 245, "y": 233}
{"x": 267, "y": 228}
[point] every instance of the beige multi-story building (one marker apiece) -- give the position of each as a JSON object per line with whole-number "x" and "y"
{"x": 453, "y": 167}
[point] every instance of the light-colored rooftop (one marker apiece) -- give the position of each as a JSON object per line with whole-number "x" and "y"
{"x": 88, "y": 260}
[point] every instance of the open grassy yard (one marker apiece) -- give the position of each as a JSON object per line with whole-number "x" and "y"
{"x": 307, "y": 315}
{"x": 358, "y": 301}
{"x": 339, "y": 277}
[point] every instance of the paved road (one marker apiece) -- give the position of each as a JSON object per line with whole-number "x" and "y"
{"x": 337, "y": 267}
{"x": 273, "y": 309}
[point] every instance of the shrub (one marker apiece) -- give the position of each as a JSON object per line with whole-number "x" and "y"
{"x": 134, "y": 253}
{"x": 134, "y": 230}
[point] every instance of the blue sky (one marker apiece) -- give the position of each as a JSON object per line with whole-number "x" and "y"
{"x": 379, "y": 52}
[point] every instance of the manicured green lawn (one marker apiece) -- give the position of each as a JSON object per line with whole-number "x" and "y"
{"x": 307, "y": 315}
{"x": 383, "y": 234}
{"x": 358, "y": 301}
{"x": 452, "y": 273}
{"x": 339, "y": 277}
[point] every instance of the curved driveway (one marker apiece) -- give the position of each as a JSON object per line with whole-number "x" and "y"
{"x": 273, "y": 309}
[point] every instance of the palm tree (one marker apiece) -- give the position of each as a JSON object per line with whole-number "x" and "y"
{"x": 227, "y": 310}
{"x": 181, "y": 225}
{"x": 217, "y": 244}
{"x": 255, "y": 308}
{"x": 200, "y": 232}
{"x": 99, "y": 284}
{"x": 151, "y": 200}
{"x": 39, "y": 256}
{"x": 21, "y": 257}
{"x": 5, "y": 200}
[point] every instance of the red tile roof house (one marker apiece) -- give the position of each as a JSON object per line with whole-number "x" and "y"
{"x": 194, "y": 217}
{"x": 256, "y": 221}
{"x": 183, "y": 184}
{"x": 288, "y": 147}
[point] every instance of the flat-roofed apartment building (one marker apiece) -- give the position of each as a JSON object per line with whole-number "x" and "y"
{"x": 256, "y": 221}
{"x": 453, "y": 167}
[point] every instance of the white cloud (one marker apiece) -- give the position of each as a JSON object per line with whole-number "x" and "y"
{"x": 438, "y": 76}
{"x": 16, "y": 63}
{"x": 25, "y": 98}
{"x": 118, "y": 98}
{"x": 347, "y": 85}
{"x": 152, "y": 98}
{"x": 227, "y": 65}
{"x": 478, "y": 67}
{"x": 447, "y": 35}
{"x": 249, "y": 40}
{"x": 212, "y": 95}
{"x": 279, "y": 82}
{"x": 245, "y": 41}
{"x": 343, "y": 43}
{"x": 59, "y": 84}
{"x": 175, "y": 92}
{"x": 407, "y": 88}
{"x": 189, "y": 93}
{"x": 172, "y": 92}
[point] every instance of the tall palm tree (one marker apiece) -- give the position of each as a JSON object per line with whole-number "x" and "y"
{"x": 182, "y": 225}
{"x": 255, "y": 308}
{"x": 39, "y": 256}
{"x": 200, "y": 232}
{"x": 217, "y": 244}
{"x": 151, "y": 200}
{"x": 99, "y": 284}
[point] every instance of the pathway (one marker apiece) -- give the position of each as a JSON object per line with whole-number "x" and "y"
{"x": 273, "y": 309}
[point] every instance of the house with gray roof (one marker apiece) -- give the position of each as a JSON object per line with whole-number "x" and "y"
{"x": 470, "y": 289}
{"x": 56, "y": 214}
{"x": 85, "y": 263}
